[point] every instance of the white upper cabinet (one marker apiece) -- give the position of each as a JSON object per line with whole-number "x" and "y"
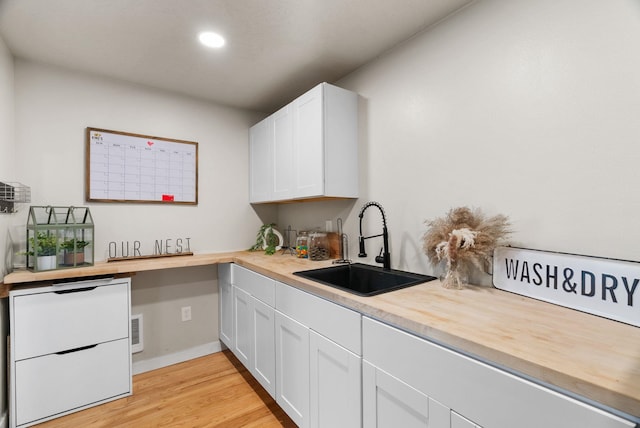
{"x": 260, "y": 165}
{"x": 307, "y": 149}
{"x": 283, "y": 179}
{"x": 309, "y": 118}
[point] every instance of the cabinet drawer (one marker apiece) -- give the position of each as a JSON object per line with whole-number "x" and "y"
{"x": 55, "y": 383}
{"x": 488, "y": 396}
{"x": 259, "y": 286}
{"x": 338, "y": 323}
{"x": 55, "y": 321}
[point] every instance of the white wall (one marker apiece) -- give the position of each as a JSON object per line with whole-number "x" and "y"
{"x": 160, "y": 295}
{"x": 7, "y": 172}
{"x": 53, "y": 108}
{"x": 525, "y": 108}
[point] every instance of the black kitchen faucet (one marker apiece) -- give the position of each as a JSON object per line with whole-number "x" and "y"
{"x": 384, "y": 257}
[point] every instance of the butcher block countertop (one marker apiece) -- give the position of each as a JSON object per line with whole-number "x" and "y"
{"x": 587, "y": 355}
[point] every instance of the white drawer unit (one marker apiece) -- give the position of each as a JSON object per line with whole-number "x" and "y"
{"x": 62, "y": 381}
{"x": 67, "y": 319}
{"x": 70, "y": 348}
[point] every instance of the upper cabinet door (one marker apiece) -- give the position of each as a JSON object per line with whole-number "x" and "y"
{"x": 261, "y": 161}
{"x": 309, "y": 137}
{"x": 283, "y": 154}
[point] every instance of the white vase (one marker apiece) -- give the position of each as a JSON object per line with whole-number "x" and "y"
{"x": 47, "y": 262}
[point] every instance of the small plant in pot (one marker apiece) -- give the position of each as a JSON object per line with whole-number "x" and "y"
{"x": 44, "y": 246}
{"x": 73, "y": 251}
{"x": 266, "y": 240}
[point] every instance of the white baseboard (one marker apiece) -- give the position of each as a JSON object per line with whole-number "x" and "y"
{"x": 177, "y": 357}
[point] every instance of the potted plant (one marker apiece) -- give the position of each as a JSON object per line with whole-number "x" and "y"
{"x": 44, "y": 246}
{"x": 267, "y": 239}
{"x": 73, "y": 251}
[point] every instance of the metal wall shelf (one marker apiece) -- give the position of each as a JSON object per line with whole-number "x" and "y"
{"x": 12, "y": 193}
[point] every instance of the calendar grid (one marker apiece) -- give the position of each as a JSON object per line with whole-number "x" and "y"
{"x": 125, "y": 167}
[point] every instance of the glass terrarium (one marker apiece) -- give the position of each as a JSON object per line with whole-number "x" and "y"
{"x": 59, "y": 237}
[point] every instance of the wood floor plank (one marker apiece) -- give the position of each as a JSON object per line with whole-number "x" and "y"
{"x": 212, "y": 391}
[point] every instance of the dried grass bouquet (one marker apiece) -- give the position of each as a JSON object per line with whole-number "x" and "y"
{"x": 463, "y": 238}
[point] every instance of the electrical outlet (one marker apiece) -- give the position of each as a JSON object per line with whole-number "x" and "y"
{"x": 186, "y": 313}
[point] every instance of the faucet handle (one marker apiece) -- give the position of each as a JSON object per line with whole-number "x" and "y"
{"x": 362, "y": 252}
{"x": 380, "y": 257}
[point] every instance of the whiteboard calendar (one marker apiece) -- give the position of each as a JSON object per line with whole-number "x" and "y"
{"x": 124, "y": 167}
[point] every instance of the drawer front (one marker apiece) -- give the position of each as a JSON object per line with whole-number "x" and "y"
{"x": 55, "y": 384}
{"x": 488, "y": 396}
{"x": 49, "y": 322}
{"x": 335, "y": 322}
{"x": 259, "y": 286}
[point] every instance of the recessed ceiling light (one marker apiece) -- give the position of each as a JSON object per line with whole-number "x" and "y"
{"x": 212, "y": 40}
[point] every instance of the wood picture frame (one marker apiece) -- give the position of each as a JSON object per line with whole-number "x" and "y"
{"x": 127, "y": 167}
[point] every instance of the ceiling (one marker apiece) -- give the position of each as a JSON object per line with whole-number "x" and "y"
{"x": 276, "y": 49}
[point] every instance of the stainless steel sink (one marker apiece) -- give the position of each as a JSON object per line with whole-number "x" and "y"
{"x": 364, "y": 280}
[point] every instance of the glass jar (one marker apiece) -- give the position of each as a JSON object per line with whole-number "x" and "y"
{"x": 302, "y": 245}
{"x": 318, "y": 246}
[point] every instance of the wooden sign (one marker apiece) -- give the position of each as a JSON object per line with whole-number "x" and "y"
{"x": 606, "y": 287}
{"x": 124, "y": 167}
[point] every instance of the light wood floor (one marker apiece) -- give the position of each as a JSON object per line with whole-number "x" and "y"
{"x": 212, "y": 391}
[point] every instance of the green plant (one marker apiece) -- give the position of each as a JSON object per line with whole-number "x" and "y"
{"x": 43, "y": 244}
{"x": 73, "y": 243}
{"x": 266, "y": 232}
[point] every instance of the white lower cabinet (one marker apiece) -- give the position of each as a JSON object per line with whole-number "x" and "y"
{"x": 253, "y": 342}
{"x": 335, "y": 384}
{"x": 70, "y": 348}
{"x": 242, "y": 326}
{"x": 304, "y": 350}
{"x": 318, "y": 363}
{"x": 253, "y": 326}
{"x": 328, "y": 366}
{"x": 263, "y": 358}
{"x": 400, "y": 368}
{"x": 225, "y": 304}
{"x": 318, "y": 381}
{"x": 389, "y": 402}
{"x": 292, "y": 369}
